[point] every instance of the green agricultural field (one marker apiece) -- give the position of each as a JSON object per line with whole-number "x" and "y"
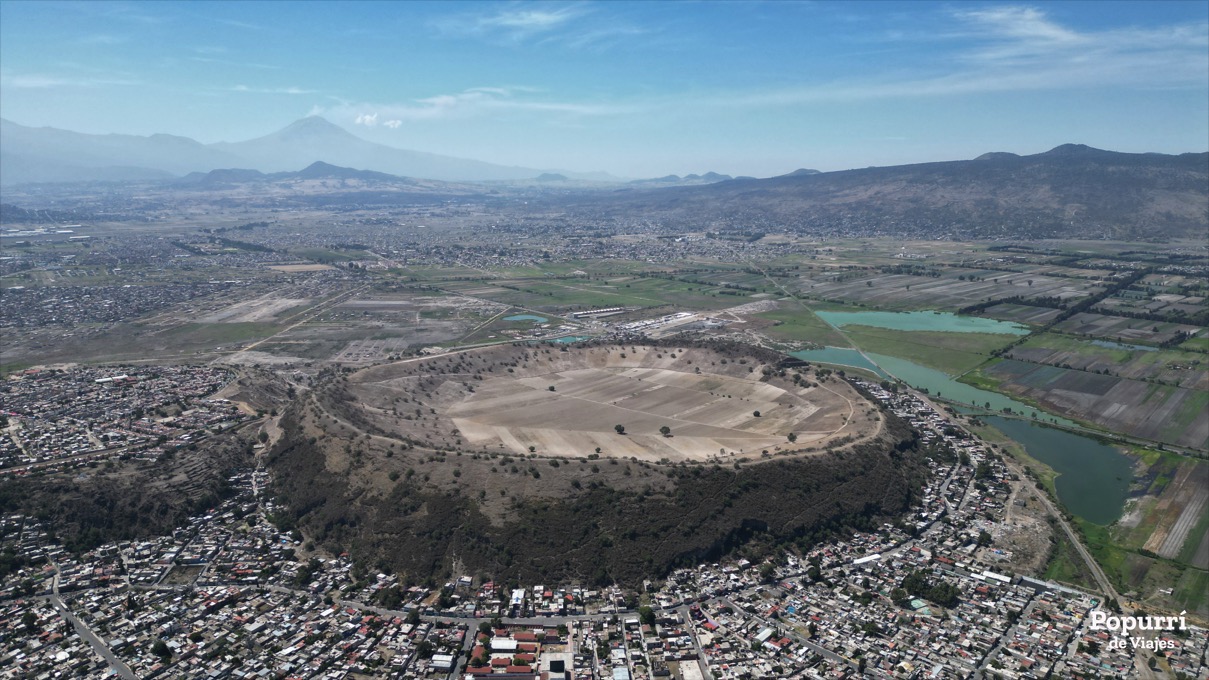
{"x": 952, "y": 353}
{"x": 436, "y": 274}
{"x": 1134, "y": 407}
{"x": 1197, "y": 344}
{"x": 326, "y": 256}
{"x": 1192, "y": 592}
{"x": 625, "y": 291}
{"x": 574, "y": 293}
{"x": 1024, "y": 314}
{"x": 1192, "y": 545}
{"x": 798, "y": 324}
{"x": 1138, "y": 362}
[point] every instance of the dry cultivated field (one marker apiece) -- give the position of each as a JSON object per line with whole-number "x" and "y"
{"x": 264, "y": 308}
{"x": 1181, "y": 508}
{"x": 1159, "y": 412}
{"x": 901, "y": 291}
{"x": 568, "y": 403}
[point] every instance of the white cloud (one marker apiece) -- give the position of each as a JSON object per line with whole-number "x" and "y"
{"x": 239, "y": 64}
{"x": 1016, "y": 48}
{"x": 1023, "y": 23}
{"x": 577, "y": 26}
{"x": 272, "y": 90}
{"x": 124, "y": 11}
{"x": 45, "y": 81}
{"x": 240, "y": 24}
{"x": 469, "y": 103}
{"x": 513, "y": 23}
{"x": 530, "y": 20}
{"x": 103, "y": 39}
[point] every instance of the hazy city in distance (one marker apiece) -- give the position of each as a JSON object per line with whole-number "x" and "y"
{"x": 604, "y": 340}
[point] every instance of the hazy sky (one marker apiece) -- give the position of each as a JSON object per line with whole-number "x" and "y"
{"x": 637, "y": 89}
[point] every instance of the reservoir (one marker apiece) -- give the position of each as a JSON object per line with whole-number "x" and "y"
{"x": 935, "y": 382}
{"x": 1093, "y": 479}
{"x": 526, "y": 317}
{"x": 840, "y": 356}
{"x": 940, "y": 384}
{"x": 923, "y": 321}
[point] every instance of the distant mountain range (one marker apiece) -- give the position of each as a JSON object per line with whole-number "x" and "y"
{"x": 687, "y": 180}
{"x": 1071, "y": 190}
{"x": 317, "y": 170}
{"x": 46, "y": 154}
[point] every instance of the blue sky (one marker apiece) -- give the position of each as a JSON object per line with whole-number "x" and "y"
{"x": 636, "y": 89}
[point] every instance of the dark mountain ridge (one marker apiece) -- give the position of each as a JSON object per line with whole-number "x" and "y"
{"x": 228, "y": 177}
{"x": 1071, "y": 190}
{"x": 676, "y": 180}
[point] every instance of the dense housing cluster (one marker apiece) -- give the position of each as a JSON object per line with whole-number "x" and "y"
{"x": 58, "y": 415}
{"x": 231, "y": 593}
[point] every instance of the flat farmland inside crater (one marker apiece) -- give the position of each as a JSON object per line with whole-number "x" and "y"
{"x": 706, "y": 414}
{"x": 567, "y": 402}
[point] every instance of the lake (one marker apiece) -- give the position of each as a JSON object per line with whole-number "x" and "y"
{"x": 923, "y": 378}
{"x": 1093, "y": 478}
{"x": 923, "y": 321}
{"x": 840, "y": 356}
{"x": 940, "y": 384}
{"x": 526, "y": 317}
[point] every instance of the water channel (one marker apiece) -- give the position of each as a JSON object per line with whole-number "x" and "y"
{"x": 1093, "y": 478}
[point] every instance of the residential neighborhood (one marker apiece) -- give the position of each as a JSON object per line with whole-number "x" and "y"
{"x": 229, "y": 595}
{"x": 53, "y": 417}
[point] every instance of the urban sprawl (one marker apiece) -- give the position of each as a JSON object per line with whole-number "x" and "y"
{"x": 229, "y": 595}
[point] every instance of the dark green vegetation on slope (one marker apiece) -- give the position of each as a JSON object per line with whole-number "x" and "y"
{"x": 602, "y": 534}
{"x": 415, "y": 498}
{"x": 129, "y": 499}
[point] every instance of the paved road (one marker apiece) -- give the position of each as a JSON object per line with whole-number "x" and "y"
{"x": 789, "y": 631}
{"x": 1007, "y": 635}
{"x": 98, "y": 645}
{"x": 702, "y": 664}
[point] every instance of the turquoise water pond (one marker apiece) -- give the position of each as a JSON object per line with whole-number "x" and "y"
{"x": 923, "y": 321}
{"x": 840, "y": 356}
{"x": 940, "y": 384}
{"x": 526, "y": 317}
